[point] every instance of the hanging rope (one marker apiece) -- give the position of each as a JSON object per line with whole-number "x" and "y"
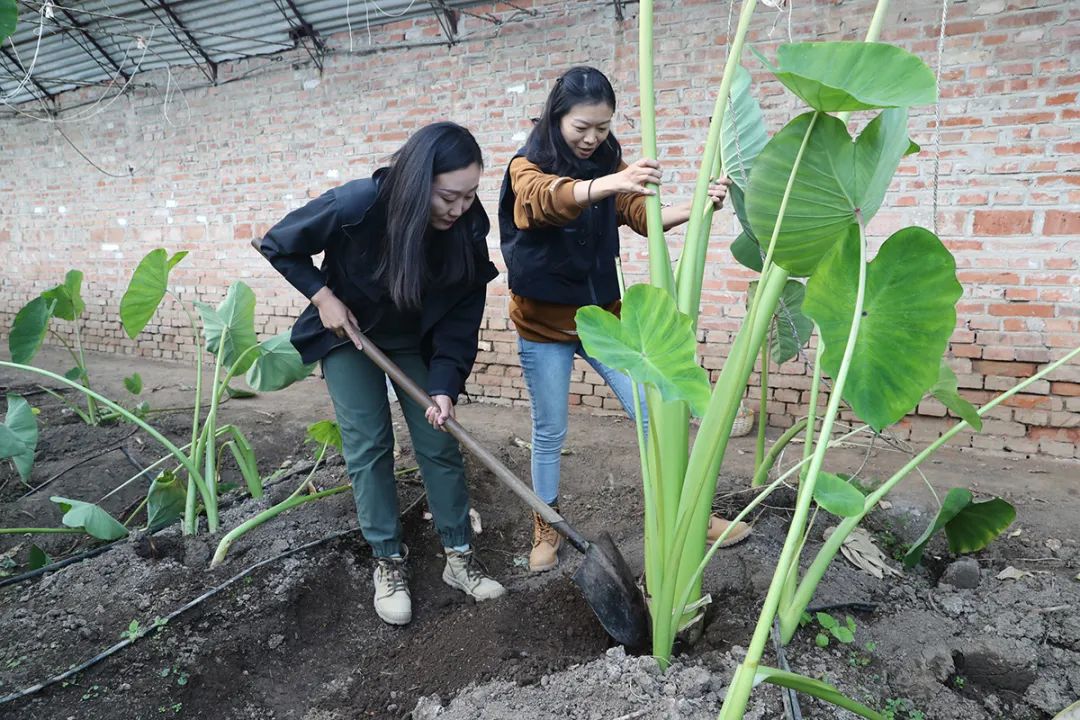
{"x": 937, "y": 109}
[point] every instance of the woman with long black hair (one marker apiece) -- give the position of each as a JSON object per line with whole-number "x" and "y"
{"x": 406, "y": 263}
{"x": 564, "y": 196}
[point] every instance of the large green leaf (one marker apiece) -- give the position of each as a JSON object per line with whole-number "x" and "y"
{"x": 947, "y": 392}
{"x": 836, "y": 183}
{"x": 9, "y": 14}
{"x": 909, "y": 313}
{"x": 747, "y": 252}
{"x": 742, "y": 134}
{"x": 89, "y": 517}
{"x": 28, "y": 329}
{"x": 969, "y": 525}
{"x": 841, "y": 76}
{"x": 68, "y": 300}
{"x": 837, "y": 495}
{"x": 977, "y": 524}
{"x": 278, "y": 365}
{"x": 232, "y": 327}
{"x": 146, "y": 289}
{"x": 19, "y": 435}
{"x": 814, "y": 688}
{"x": 325, "y": 432}
{"x": 790, "y": 329}
{"x": 165, "y": 500}
{"x": 654, "y": 343}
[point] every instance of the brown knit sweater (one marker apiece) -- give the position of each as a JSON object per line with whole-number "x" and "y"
{"x": 544, "y": 200}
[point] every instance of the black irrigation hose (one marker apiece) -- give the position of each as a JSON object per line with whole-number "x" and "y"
{"x": 30, "y": 575}
{"x": 861, "y": 607}
{"x": 184, "y": 608}
{"x": 789, "y": 696}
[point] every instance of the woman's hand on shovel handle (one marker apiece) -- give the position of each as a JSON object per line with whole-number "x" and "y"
{"x": 336, "y": 317}
{"x": 440, "y": 412}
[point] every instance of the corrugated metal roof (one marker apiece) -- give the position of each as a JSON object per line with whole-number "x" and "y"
{"x": 60, "y": 45}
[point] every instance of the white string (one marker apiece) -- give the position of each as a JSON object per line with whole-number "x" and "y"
{"x": 33, "y": 61}
{"x": 937, "y": 110}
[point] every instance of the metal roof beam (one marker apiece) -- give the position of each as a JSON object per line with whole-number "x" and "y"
{"x": 93, "y": 41}
{"x": 447, "y": 19}
{"x": 211, "y": 70}
{"x": 48, "y": 96}
{"x": 305, "y": 29}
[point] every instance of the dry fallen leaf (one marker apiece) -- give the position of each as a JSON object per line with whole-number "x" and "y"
{"x": 860, "y": 551}
{"x": 884, "y": 504}
{"x": 474, "y": 520}
{"x": 1011, "y": 573}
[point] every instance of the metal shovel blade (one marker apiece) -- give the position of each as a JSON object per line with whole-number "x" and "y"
{"x": 608, "y": 585}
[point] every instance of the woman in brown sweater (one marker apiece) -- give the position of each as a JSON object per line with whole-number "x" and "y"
{"x": 563, "y": 198}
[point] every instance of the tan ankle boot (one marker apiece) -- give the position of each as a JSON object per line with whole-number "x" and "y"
{"x": 545, "y": 548}
{"x": 717, "y": 525}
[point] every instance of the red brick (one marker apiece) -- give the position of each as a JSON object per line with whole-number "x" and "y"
{"x": 1002, "y": 222}
{"x": 1068, "y": 389}
{"x": 1061, "y": 222}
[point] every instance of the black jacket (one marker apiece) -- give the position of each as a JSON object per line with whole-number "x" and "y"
{"x": 345, "y": 225}
{"x": 570, "y": 265}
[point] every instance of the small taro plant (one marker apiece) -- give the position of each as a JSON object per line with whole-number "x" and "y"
{"x": 190, "y": 486}
{"x": 804, "y": 199}
{"x": 34, "y": 322}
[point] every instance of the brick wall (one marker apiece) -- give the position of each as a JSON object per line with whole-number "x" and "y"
{"x": 210, "y": 168}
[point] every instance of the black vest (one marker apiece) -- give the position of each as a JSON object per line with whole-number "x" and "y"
{"x": 570, "y": 265}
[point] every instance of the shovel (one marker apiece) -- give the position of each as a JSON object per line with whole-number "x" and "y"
{"x": 604, "y": 577}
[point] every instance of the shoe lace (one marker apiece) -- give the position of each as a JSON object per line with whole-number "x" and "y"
{"x": 544, "y": 532}
{"x": 394, "y": 575}
{"x": 474, "y": 571}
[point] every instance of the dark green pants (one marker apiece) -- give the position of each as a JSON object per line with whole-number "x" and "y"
{"x": 358, "y": 388}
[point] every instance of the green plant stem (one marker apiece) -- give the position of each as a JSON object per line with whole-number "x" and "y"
{"x": 289, "y": 504}
{"x": 759, "y": 450}
{"x": 653, "y": 568}
{"x": 190, "y": 525}
{"x": 811, "y": 411}
{"x": 767, "y": 462}
{"x": 739, "y": 691}
{"x": 136, "y": 510}
{"x": 76, "y": 354}
{"x": 659, "y": 259}
{"x": 789, "y": 619}
{"x": 679, "y": 608}
{"x": 91, "y": 408}
{"x": 210, "y": 448}
{"x": 686, "y": 535}
{"x": 697, "y": 228}
{"x": 70, "y": 405}
{"x": 38, "y": 531}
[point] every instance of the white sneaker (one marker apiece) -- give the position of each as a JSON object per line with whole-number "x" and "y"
{"x": 392, "y": 600}
{"x": 463, "y": 572}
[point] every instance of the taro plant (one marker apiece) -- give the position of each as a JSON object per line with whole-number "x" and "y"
{"x": 804, "y": 201}
{"x": 33, "y": 323}
{"x": 228, "y": 333}
{"x": 325, "y": 434}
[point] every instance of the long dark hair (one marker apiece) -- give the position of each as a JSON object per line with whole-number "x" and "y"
{"x": 580, "y": 85}
{"x": 406, "y": 262}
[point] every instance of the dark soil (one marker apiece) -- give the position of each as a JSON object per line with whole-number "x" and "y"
{"x": 298, "y": 638}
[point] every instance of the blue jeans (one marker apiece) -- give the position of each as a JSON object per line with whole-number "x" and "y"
{"x": 547, "y": 367}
